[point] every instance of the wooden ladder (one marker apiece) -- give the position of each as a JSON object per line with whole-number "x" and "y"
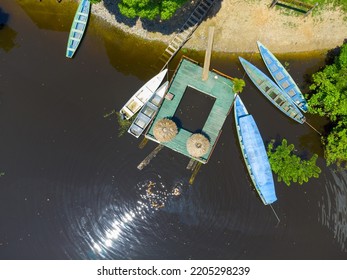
{"x": 185, "y": 32}
{"x": 302, "y": 5}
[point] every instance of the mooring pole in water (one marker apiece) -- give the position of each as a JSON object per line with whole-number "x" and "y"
{"x": 195, "y": 172}
{"x": 313, "y": 128}
{"x": 191, "y": 165}
{"x": 273, "y": 210}
{"x": 143, "y": 143}
{"x": 148, "y": 159}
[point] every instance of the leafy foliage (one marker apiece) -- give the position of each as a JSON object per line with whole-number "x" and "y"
{"x": 123, "y": 124}
{"x": 95, "y": 1}
{"x": 329, "y": 99}
{"x": 289, "y": 167}
{"x": 150, "y": 9}
{"x": 336, "y": 145}
{"x": 239, "y": 84}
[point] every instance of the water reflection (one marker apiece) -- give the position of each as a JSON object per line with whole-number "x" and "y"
{"x": 7, "y": 34}
{"x": 50, "y": 14}
{"x": 333, "y": 206}
{"x": 121, "y": 226}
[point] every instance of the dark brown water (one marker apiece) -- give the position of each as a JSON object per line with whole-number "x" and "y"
{"x": 71, "y": 189}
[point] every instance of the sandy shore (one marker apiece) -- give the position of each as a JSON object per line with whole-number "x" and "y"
{"x": 239, "y": 24}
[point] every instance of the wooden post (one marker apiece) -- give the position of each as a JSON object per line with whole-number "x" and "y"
{"x": 273, "y": 3}
{"x": 191, "y": 165}
{"x": 152, "y": 155}
{"x": 195, "y": 172}
{"x": 143, "y": 143}
{"x": 208, "y": 54}
{"x": 310, "y": 10}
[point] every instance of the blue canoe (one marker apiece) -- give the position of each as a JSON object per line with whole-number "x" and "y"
{"x": 254, "y": 153}
{"x": 282, "y": 77}
{"x": 78, "y": 27}
{"x": 272, "y": 92}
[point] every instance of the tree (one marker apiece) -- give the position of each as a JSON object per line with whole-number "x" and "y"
{"x": 150, "y": 9}
{"x": 95, "y": 1}
{"x": 289, "y": 167}
{"x": 329, "y": 99}
{"x": 336, "y": 145}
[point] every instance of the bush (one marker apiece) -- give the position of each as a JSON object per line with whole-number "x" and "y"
{"x": 150, "y": 9}
{"x": 289, "y": 167}
{"x": 329, "y": 99}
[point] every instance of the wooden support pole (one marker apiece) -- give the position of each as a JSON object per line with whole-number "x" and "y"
{"x": 143, "y": 143}
{"x": 273, "y": 3}
{"x": 195, "y": 172}
{"x": 310, "y": 10}
{"x": 208, "y": 54}
{"x": 191, "y": 165}
{"x": 152, "y": 155}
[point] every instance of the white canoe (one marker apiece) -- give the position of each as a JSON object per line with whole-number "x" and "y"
{"x": 139, "y": 99}
{"x": 148, "y": 112}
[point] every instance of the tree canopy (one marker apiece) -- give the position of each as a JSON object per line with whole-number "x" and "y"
{"x": 329, "y": 99}
{"x": 289, "y": 167}
{"x": 150, "y": 9}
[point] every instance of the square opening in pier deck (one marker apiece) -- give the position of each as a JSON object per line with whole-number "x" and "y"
{"x": 193, "y": 109}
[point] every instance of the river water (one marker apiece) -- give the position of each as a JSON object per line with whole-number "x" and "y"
{"x": 71, "y": 189}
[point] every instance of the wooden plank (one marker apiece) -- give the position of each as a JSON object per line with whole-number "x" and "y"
{"x": 152, "y": 155}
{"x": 191, "y": 164}
{"x": 195, "y": 172}
{"x": 208, "y": 53}
{"x": 143, "y": 143}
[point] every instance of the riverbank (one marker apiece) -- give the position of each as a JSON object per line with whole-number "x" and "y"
{"x": 239, "y": 24}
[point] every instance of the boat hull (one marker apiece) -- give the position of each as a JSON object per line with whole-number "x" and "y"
{"x": 254, "y": 153}
{"x": 272, "y": 92}
{"x": 139, "y": 99}
{"x": 78, "y": 27}
{"x": 148, "y": 112}
{"x": 282, "y": 78}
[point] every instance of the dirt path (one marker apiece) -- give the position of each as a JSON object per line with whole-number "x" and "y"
{"x": 240, "y": 23}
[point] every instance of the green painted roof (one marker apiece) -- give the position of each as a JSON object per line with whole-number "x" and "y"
{"x": 217, "y": 85}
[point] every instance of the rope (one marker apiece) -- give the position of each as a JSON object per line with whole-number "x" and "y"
{"x": 313, "y": 128}
{"x": 273, "y": 210}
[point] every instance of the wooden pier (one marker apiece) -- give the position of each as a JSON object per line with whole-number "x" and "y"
{"x": 305, "y": 7}
{"x": 217, "y": 86}
{"x": 185, "y": 32}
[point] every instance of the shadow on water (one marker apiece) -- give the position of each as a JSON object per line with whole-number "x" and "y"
{"x": 42, "y": 13}
{"x": 7, "y": 34}
{"x": 163, "y": 26}
{"x": 333, "y": 53}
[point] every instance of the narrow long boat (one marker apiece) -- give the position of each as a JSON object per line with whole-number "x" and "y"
{"x": 282, "y": 77}
{"x": 78, "y": 27}
{"x": 272, "y": 92}
{"x": 148, "y": 111}
{"x": 140, "y": 97}
{"x": 254, "y": 153}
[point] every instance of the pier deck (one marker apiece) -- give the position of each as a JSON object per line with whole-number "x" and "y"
{"x": 217, "y": 85}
